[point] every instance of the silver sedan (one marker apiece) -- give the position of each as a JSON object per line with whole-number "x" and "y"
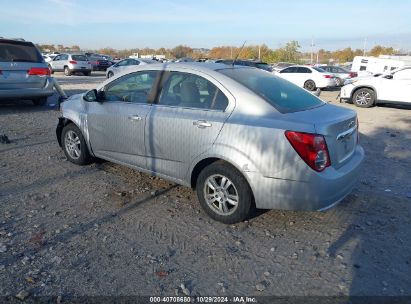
{"x": 126, "y": 64}
{"x": 242, "y": 137}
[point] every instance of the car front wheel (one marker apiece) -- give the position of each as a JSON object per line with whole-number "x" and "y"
{"x": 364, "y": 98}
{"x": 74, "y": 145}
{"x": 224, "y": 193}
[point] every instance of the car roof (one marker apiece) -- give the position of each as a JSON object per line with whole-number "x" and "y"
{"x": 199, "y": 66}
{"x": 15, "y": 40}
{"x": 298, "y": 66}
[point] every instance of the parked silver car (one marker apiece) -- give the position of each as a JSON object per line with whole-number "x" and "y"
{"x": 23, "y": 72}
{"x": 70, "y": 64}
{"x": 240, "y": 136}
{"x": 340, "y": 74}
{"x": 126, "y": 64}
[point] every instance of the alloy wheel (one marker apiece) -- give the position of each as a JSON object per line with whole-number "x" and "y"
{"x": 221, "y": 195}
{"x": 363, "y": 98}
{"x": 72, "y": 144}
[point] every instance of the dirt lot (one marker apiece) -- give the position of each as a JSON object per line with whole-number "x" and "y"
{"x": 104, "y": 229}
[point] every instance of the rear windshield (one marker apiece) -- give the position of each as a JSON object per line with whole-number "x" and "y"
{"x": 319, "y": 69}
{"x": 281, "y": 94}
{"x": 264, "y": 66}
{"x": 79, "y": 57}
{"x": 18, "y": 51}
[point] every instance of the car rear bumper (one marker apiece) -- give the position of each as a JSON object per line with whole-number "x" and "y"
{"x": 325, "y": 83}
{"x": 100, "y": 68}
{"x": 80, "y": 70}
{"x": 29, "y": 93}
{"x": 318, "y": 191}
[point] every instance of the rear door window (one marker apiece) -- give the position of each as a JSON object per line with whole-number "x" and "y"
{"x": 192, "y": 91}
{"x": 303, "y": 70}
{"x": 18, "y": 51}
{"x": 289, "y": 70}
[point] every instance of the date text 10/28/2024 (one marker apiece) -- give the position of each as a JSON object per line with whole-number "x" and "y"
{"x": 201, "y": 299}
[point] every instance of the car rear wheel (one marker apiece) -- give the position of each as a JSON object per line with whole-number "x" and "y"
{"x": 224, "y": 193}
{"x": 67, "y": 71}
{"x": 338, "y": 81}
{"x": 110, "y": 74}
{"x": 364, "y": 98}
{"x": 74, "y": 145}
{"x": 310, "y": 85}
{"x": 40, "y": 101}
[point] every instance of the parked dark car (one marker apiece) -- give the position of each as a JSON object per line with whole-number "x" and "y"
{"x": 23, "y": 72}
{"x": 251, "y": 63}
{"x": 99, "y": 63}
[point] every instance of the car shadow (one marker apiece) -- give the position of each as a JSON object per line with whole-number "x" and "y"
{"x": 374, "y": 244}
{"x": 83, "y": 228}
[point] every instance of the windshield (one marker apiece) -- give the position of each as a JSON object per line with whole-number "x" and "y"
{"x": 281, "y": 94}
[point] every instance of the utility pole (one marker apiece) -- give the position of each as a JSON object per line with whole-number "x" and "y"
{"x": 365, "y": 43}
{"x": 259, "y": 52}
{"x": 312, "y": 50}
{"x": 231, "y": 56}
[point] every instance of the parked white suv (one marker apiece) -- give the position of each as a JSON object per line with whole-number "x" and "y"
{"x": 70, "y": 63}
{"x": 309, "y": 78}
{"x": 394, "y": 87}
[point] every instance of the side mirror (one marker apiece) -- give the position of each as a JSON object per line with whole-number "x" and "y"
{"x": 94, "y": 95}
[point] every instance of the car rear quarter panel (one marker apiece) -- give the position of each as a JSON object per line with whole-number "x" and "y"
{"x": 259, "y": 145}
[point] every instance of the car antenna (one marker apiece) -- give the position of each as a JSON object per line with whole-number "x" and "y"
{"x": 238, "y": 54}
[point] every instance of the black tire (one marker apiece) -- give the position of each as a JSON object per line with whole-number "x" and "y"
{"x": 239, "y": 186}
{"x": 310, "y": 85}
{"x": 40, "y": 101}
{"x": 87, "y": 73}
{"x": 110, "y": 74}
{"x": 67, "y": 71}
{"x": 338, "y": 82}
{"x": 84, "y": 157}
{"x": 364, "y": 98}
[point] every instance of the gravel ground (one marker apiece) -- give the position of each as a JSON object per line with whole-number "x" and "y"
{"x": 104, "y": 229}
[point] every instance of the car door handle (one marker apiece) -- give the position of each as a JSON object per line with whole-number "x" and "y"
{"x": 135, "y": 117}
{"x": 202, "y": 124}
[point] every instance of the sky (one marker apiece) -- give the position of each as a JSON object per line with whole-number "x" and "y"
{"x": 120, "y": 24}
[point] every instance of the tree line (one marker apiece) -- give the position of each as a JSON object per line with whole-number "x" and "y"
{"x": 290, "y": 52}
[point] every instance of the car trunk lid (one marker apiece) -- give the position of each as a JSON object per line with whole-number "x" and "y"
{"x": 339, "y": 127}
{"x": 14, "y": 75}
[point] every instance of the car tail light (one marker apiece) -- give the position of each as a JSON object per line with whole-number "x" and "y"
{"x": 73, "y": 62}
{"x": 97, "y": 62}
{"x": 328, "y": 76}
{"x": 39, "y": 71}
{"x": 312, "y": 148}
{"x": 353, "y": 74}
